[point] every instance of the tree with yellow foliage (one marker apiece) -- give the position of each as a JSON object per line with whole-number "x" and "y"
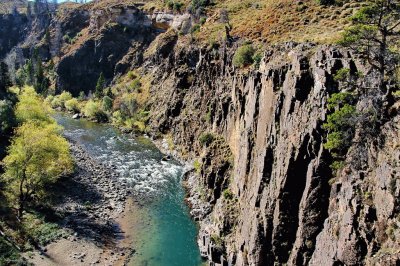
{"x": 38, "y": 154}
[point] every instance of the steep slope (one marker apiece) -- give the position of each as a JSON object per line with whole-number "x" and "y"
{"x": 283, "y": 205}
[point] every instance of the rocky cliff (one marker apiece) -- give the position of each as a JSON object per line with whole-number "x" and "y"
{"x": 265, "y": 193}
{"x": 262, "y": 188}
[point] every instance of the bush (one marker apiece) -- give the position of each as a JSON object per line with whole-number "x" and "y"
{"x": 72, "y": 105}
{"x": 197, "y": 166}
{"x": 56, "y": 102}
{"x": 206, "y": 139}
{"x": 341, "y": 123}
{"x": 257, "y": 57}
{"x": 64, "y": 96}
{"x": 244, "y": 56}
{"x": 227, "y": 194}
{"x": 107, "y": 103}
{"x": 92, "y": 110}
{"x": 82, "y": 96}
{"x": 195, "y": 28}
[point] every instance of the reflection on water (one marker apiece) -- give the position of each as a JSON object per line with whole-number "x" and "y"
{"x": 166, "y": 235}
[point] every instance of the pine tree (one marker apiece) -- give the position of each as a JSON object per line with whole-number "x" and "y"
{"x": 101, "y": 82}
{"x": 5, "y": 80}
{"x": 374, "y": 34}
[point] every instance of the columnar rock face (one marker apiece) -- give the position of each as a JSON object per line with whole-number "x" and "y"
{"x": 272, "y": 197}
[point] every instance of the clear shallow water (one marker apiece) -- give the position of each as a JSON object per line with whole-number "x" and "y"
{"x": 164, "y": 235}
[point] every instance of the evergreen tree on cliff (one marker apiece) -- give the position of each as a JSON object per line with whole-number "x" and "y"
{"x": 375, "y": 35}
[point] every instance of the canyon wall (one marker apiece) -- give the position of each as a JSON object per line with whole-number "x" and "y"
{"x": 262, "y": 188}
{"x": 265, "y": 193}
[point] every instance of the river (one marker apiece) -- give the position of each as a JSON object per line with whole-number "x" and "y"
{"x": 164, "y": 234}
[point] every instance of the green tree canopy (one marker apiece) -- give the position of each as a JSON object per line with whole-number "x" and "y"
{"x": 32, "y": 108}
{"x": 37, "y": 156}
{"x": 375, "y": 34}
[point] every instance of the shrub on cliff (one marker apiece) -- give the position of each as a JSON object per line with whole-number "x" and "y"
{"x": 244, "y": 56}
{"x": 206, "y": 139}
{"x": 340, "y": 123}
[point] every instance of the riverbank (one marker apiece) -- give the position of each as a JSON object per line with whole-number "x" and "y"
{"x": 97, "y": 210}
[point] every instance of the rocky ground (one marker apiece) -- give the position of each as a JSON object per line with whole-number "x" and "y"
{"x": 96, "y": 208}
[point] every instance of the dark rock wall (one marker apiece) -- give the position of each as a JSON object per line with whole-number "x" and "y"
{"x": 13, "y": 28}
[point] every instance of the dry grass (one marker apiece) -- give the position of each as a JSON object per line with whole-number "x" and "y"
{"x": 272, "y": 21}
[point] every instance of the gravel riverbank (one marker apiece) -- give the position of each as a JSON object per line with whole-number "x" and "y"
{"x": 95, "y": 205}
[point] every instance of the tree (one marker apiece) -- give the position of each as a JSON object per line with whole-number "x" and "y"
{"x": 101, "y": 83}
{"x": 107, "y": 103}
{"x": 5, "y": 81}
{"x": 30, "y": 107}
{"x": 37, "y": 156}
{"x": 374, "y": 34}
{"x": 7, "y": 119}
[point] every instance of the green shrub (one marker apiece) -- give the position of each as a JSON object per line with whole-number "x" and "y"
{"x": 203, "y": 20}
{"x": 92, "y": 110}
{"x": 170, "y": 4}
{"x": 107, "y": 103}
{"x": 244, "y": 56}
{"x": 43, "y": 232}
{"x": 227, "y": 194}
{"x": 195, "y": 28}
{"x": 206, "y": 139}
{"x": 200, "y": 3}
{"x": 72, "y": 105}
{"x": 132, "y": 75}
{"x": 136, "y": 85}
{"x": 65, "y": 96}
{"x": 257, "y": 57}
{"x": 342, "y": 74}
{"x": 197, "y": 166}
{"x": 82, "y": 96}
{"x": 9, "y": 255}
{"x": 340, "y": 123}
{"x": 178, "y": 6}
{"x": 56, "y": 102}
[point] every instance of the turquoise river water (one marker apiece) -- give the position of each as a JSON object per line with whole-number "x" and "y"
{"x": 164, "y": 235}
